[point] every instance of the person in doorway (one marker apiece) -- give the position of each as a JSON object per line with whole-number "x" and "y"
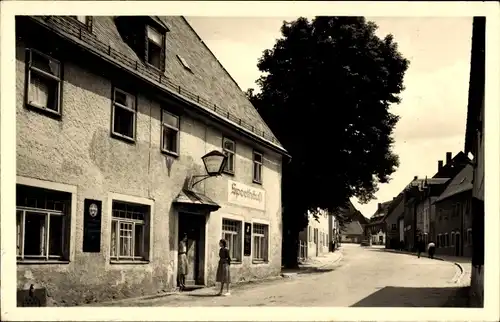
{"x": 431, "y": 249}
{"x": 223, "y": 272}
{"x": 182, "y": 265}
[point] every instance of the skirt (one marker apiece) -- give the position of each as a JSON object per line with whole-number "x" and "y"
{"x": 182, "y": 265}
{"x": 223, "y": 273}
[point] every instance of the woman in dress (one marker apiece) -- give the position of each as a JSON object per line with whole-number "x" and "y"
{"x": 182, "y": 265}
{"x": 223, "y": 273}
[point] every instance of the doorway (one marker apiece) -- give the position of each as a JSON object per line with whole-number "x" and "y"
{"x": 194, "y": 226}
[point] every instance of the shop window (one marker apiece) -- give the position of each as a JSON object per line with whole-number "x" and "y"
{"x": 231, "y": 233}
{"x": 257, "y": 167}
{"x": 124, "y": 115}
{"x": 43, "y": 223}
{"x": 170, "y": 133}
{"x": 44, "y": 83}
{"x": 229, "y": 148}
{"x": 129, "y": 232}
{"x": 260, "y": 242}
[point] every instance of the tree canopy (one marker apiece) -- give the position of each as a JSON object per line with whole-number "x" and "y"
{"x": 325, "y": 92}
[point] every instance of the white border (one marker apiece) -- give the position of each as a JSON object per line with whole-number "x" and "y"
{"x": 106, "y": 235}
{"x": 51, "y": 185}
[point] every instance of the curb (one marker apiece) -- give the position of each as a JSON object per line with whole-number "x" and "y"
{"x": 458, "y": 277}
{"x": 312, "y": 269}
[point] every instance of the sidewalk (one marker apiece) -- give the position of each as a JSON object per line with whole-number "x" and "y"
{"x": 463, "y": 263}
{"x": 323, "y": 263}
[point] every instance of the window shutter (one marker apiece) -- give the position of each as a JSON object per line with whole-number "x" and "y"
{"x": 147, "y": 236}
{"x": 266, "y": 242}
{"x": 67, "y": 231}
{"x": 162, "y": 55}
{"x": 90, "y": 21}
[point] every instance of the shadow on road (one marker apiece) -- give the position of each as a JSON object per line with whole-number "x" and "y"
{"x": 391, "y": 296}
{"x": 203, "y": 295}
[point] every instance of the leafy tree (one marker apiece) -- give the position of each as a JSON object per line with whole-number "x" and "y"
{"x": 325, "y": 92}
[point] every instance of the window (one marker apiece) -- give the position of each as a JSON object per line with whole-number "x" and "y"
{"x": 155, "y": 47}
{"x": 257, "y": 167}
{"x": 85, "y": 20}
{"x": 229, "y": 149}
{"x": 447, "y": 240}
{"x": 124, "y": 114}
{"x": 231, "y": 232}
{"x": 452, "y": 239}
{"x": 327, "y": 239}
{"x": 184, "y": 63}
{"x": 315, "y": 235}
{"x": 310, "y": 234}
{"x": 170, "y": 133}
{"x": 260, "y": 242}
{"x": 393, "y": 227}
{"x": 43, "y": 85}
{"x": 469, "y": 236}
{"x": 42, "y": 224}
{"x": 129, "y": 232}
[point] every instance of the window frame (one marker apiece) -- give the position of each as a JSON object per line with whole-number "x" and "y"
{"x": 30, "y": 69}
{"x": 239, "y": 237}
{"x": 114, "y": 105}
{"x": 145, "y": 245}
{"x": 178, "y": 132}
{"x": 266, "y": 242}
{"x": 88, "y": 22}
{"x": 162, "y": 47}
{"x": 233, "y": 153}
{"x": 261, "y": 166}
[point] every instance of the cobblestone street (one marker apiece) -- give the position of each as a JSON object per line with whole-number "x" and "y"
{"x": 364, "y": 277}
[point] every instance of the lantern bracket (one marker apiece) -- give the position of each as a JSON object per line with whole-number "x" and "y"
{"x": 202, "y": 176}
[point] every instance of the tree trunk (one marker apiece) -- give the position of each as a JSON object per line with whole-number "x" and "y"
{"x": 290, "y": 249}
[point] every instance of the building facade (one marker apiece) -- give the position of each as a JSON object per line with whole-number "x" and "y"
{"x": 315, "y": 237}
{"x": 377, "y": 227}
{"x": 454, "y": 222}
{"x": 396, "y": 209}
{"x": 474, "y": 144}
{"x": 352, "y": 232}
{"x": 111, "y": 127}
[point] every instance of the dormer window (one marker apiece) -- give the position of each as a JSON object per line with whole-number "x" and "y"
{"x": 155, "y": 47}
{"x": 85, "y": 20}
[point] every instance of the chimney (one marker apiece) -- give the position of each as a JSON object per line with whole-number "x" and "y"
{"x": 448, "y": 157}
{"x": 415, "y": 178}
{"x": 440, "y": 165}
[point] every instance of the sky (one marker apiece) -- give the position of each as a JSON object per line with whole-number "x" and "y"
{"x": 434, "y": 102}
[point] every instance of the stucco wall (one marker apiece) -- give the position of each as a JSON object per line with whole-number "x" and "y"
{"x": 318, "y": 248}
{"x": 78, "y": 151}
{"x": 453, "y": 224}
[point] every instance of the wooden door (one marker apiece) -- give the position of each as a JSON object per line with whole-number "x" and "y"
{"x": 191, "y": 259}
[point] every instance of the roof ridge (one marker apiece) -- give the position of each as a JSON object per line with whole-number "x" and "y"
{"x": 231, "y": 77}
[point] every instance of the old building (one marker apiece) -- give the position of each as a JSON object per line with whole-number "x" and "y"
{"x": 376, "y": 226}
{"x": 352, "y": 232}
{"x": 474, "y": 144}
{"x": 113, "y": 117}
{"x": 333, "y": 232}
{"x": 315, "y": 236}
{"x": 453, "y": 226}
{"x": 394, "y": 212}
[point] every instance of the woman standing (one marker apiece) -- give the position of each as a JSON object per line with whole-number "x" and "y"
{"x": 182, "y": 265}
{"x": 223, "y": 273}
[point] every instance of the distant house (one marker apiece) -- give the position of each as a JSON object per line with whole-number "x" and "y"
{"x": 394, "y": 212}
{"x": 352, "y": 232}
{"x": 454, "y": 221}
{"x": 376, "y": 227}
{"x": 314, "y": 238}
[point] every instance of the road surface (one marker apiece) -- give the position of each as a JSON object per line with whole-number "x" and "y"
{"x": 365, "y": 277}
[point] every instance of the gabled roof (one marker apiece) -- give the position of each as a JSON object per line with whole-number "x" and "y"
{"x": 381, "y": 211}
{"x": 352, "y": 228}
{"x": 461, "y": 183}
{"x": 394, "y": 206}
{"x": 206, "y": 85}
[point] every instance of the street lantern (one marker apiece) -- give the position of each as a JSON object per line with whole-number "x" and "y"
{"x": 214, "y": 162}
